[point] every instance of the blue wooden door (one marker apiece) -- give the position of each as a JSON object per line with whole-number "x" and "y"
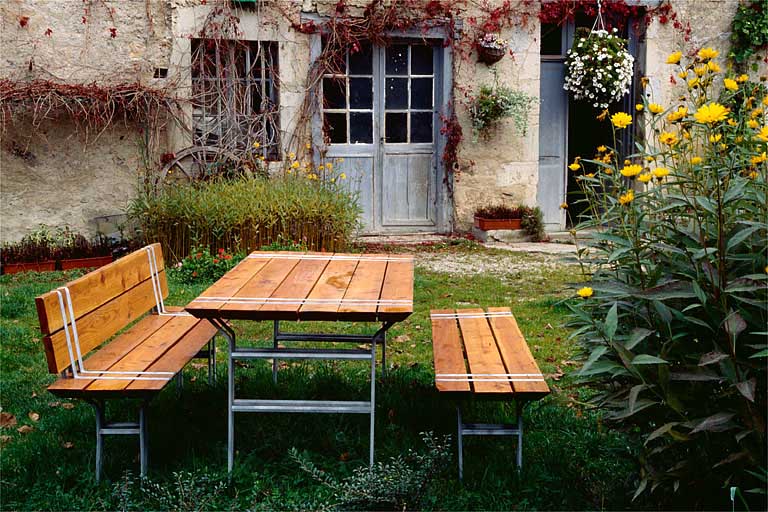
{"x": 382, "y": 117}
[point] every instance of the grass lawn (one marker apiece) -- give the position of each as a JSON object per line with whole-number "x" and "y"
{"x": 571, "y": 460}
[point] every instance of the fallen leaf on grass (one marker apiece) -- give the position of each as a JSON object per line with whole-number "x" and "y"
{"x": 344, "y": 457}
{"x": 68, "y": 405}
{"x": 402, "y": 338}
{"x": 417, "y": 327}
{"x": 34, "y": 395}
{"x": 198, "y": 366}
{"x": 548, "y": 326}
{"x": 550, "y": 359}
{"x": 412, "y": 345}
{"x": 7, "y": 419}
{"x": 68, "y": 445}
{"x": 25, "y": 429}
{"x": 54, "y": 404}
{"x": 4, "y": 439}
{"x": 192, "y": 379}
{"x": 34, "y": 416}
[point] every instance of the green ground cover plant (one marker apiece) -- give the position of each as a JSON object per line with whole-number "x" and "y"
{"x": 571, "y": 460}
{"x": 245, "y": 214}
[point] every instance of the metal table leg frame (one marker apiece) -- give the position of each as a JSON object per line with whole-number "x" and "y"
{"x": 125, "y": 428}
{"x": 230, "y": 335}
{"x": 490, "y": 429}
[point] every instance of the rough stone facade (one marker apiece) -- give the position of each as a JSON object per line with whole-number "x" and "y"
{"x": 52, "y": 176}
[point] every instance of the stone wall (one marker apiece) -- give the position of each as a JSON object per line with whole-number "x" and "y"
{"x": 67, "y": 182}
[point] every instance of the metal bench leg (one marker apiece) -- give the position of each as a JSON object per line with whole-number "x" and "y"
{"x": 373, "y": 392}
{"x": 276, "y": 332}
{"x": 104, "y": 429}
{"x": 460, "y": 437}
{"x": 212, "y": 361}
{"x": 99, "y": 413}
{"x": 143, "y": 440}
{"x": 180, "y": 383}
{"x": 520, "y": 405}
{"x": 384, "y": 353}
{"x": 229, "y": 333}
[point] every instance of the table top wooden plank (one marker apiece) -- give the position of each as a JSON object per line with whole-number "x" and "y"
{"x": 448, "y": 353}
{"x": 145, "y": 354}
{"x": 398, "y": 287}
{"x": 295, "y": 287}
{"x": 516, "y": 354}
{"x": 229, "y": 284}
{"x": 260, "y": 286}
{"x": 365, "y": 285}
{"x": 482, "y": 353}
{"x": 330, "y": 287}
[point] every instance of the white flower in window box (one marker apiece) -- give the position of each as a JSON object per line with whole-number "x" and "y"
{"x": 599, "y": 68}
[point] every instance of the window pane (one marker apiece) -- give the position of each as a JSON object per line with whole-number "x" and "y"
{"x": 421, "y": 60}
{"x": 334, "y": 93}
{"x": 336, "y": 127}
{"x": 551, "y": 40}
{"x": 396, "y": 126}
{"x": 361, "y": 62}
{"x": 421, "y": 126}
{"x": 421, "y": 93}
{"x": 396, "y": 93}
{"x": 397, "y": 59}
{"x": 360, "y": 93}
{"x": 361, "y": 127}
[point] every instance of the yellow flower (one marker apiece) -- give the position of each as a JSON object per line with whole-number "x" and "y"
{"x": 753, "y": 124}
{"x": 753, "y": 175}
{"x": 693, "y": 83}
{"x": 256, "y": 145}
{"x": 585, "y": 292}
{"x": 262, "y": 158}
{"x": 708, "y": 53}
{"x": 760, "y": 158}
{"x": 608, "y": 171}
{"x": 630, "y": 171}
{"x": 739, "y": 139}
{"x": 639, "y": 107}
{"x": 627, "y": 162}
{"x": 700, "y": 70}
{"x": 321, "y": 167}
{"x": 731, "y": 84}
{"x": 763, "y": 135}
{"x": 627, "y": 198}
{"x": 574, "y": 166}
{"x": 696, "y": 160}
{"x": 742, "y": 78}
{"x": 621, "y": 120}
{"x": 713, "y": 66}
{"x": 765, "y": 101}
{"x": 564, "y": 206}
{"x": 756, "y": 113}
{"x": 650, "y": 158}
{"x": 723, "y": 146}
{"x": 678, "y": 114}
{"x": 590, "y": 175}
{"x": 292, "y": 155}
{"x": 602, "y": 115}
{"x": 668, "y": 138}
{"x": 343, "y": 176}
{"x": 295, "y": 164}
{"x": 644, "y": 178}
{"x": 655, "y": 108}
{"x": 601, "y": 149}
{"x": 732, "y": 122}
{"x": 312, "y": 176}
{"x": 329, "y": 166}
{"x": 308, "y": 145}
{"x": 674, "y": 58}
{"x": 711, "y": 113}
{"x": 715, "y": 137}
{"x": 660, "y": 172}
{"x": 340, "y": 160}
{"x": 686, "y": 134}
{"x": 683, "y": 74}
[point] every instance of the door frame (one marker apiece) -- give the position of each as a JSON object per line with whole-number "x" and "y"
{"x": 443, "y": 178}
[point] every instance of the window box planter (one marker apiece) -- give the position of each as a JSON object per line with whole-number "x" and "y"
{"x": 95, "y": 262}
{"x": 493, "y": 224}
{"x": 36, "y": 266}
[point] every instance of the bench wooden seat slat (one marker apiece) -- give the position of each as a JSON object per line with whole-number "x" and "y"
{"x": 296, "y": 285}
{"x": 515, "y": 352}
{"x": 398, "y": 285}
{"x": 482, "y": 353}
{"x": 365, "y": 284}
{"x": 146, "y": 353}
{"x": 332, "y": 285}
{"x": 449, "y": 355}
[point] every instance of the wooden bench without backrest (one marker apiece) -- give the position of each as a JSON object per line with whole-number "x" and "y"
{"x": 483, "y": 353}
{"x": 77, "y": 319}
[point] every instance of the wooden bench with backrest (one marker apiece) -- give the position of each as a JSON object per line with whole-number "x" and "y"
{"x": 483, "y": 354}
{"x": 81, "y": 318}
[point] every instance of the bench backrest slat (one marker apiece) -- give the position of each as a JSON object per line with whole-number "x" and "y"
{"x": 103, "y": 301}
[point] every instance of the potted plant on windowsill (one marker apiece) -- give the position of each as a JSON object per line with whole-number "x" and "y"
{"x": 490, "y": 218}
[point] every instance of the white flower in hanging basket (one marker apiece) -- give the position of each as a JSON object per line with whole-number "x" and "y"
{"x": 493, "y": 41}
{"x": 599, "y": 67}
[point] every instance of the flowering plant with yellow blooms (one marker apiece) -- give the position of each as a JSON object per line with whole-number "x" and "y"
{"x": 674, "y": 321}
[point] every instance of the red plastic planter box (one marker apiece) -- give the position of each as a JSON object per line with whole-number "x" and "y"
{"x": 491, "y": 224}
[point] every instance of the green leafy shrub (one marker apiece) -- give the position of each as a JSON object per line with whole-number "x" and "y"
{"x": 749, "y": 31}
{"x": 533, "y": 223}
{"x": 499, "y": 212}
{"x": 243, "y": 215}
{"x": 202, "y": 266}
{"x": 493, "y": 103}
{"x": 674, "y": 318}
{"x": 398, "y": 484}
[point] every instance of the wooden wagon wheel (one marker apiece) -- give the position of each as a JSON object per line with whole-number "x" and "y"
{"x": 197, "y": 163}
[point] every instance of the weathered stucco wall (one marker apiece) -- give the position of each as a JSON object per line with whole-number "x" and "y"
{"x": 68, "y": 182}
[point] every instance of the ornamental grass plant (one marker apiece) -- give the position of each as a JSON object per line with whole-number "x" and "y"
{"x": 244, "y": 214}
{"x": 674, "y": 315}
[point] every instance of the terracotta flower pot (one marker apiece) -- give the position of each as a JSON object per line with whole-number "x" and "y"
{"x": 490, "y": 55}
{"x": 491, "y": 224}
{"x": 37, "y": 266}
{"x": 98, "y": 261}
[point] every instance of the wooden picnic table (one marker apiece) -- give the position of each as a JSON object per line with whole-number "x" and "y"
{"x": 294, "y": 286}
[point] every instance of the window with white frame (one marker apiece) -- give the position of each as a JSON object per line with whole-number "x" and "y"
{"x": 235, "y": 95}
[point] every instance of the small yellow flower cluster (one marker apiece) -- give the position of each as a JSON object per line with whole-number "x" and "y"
{"x": 668, "y": 138}
{"x": 621, "y": 120}
{"x": 678, "y": 114}
{"x": 711, "y": 113}
{"x": 627, "y": 198}
{"x": 630, "y": 171}
{"x": 587, "y": 292}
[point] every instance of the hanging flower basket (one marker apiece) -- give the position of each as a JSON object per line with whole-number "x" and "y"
{"x": 599, "y": 67}
{"x": 491, "y": 48}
